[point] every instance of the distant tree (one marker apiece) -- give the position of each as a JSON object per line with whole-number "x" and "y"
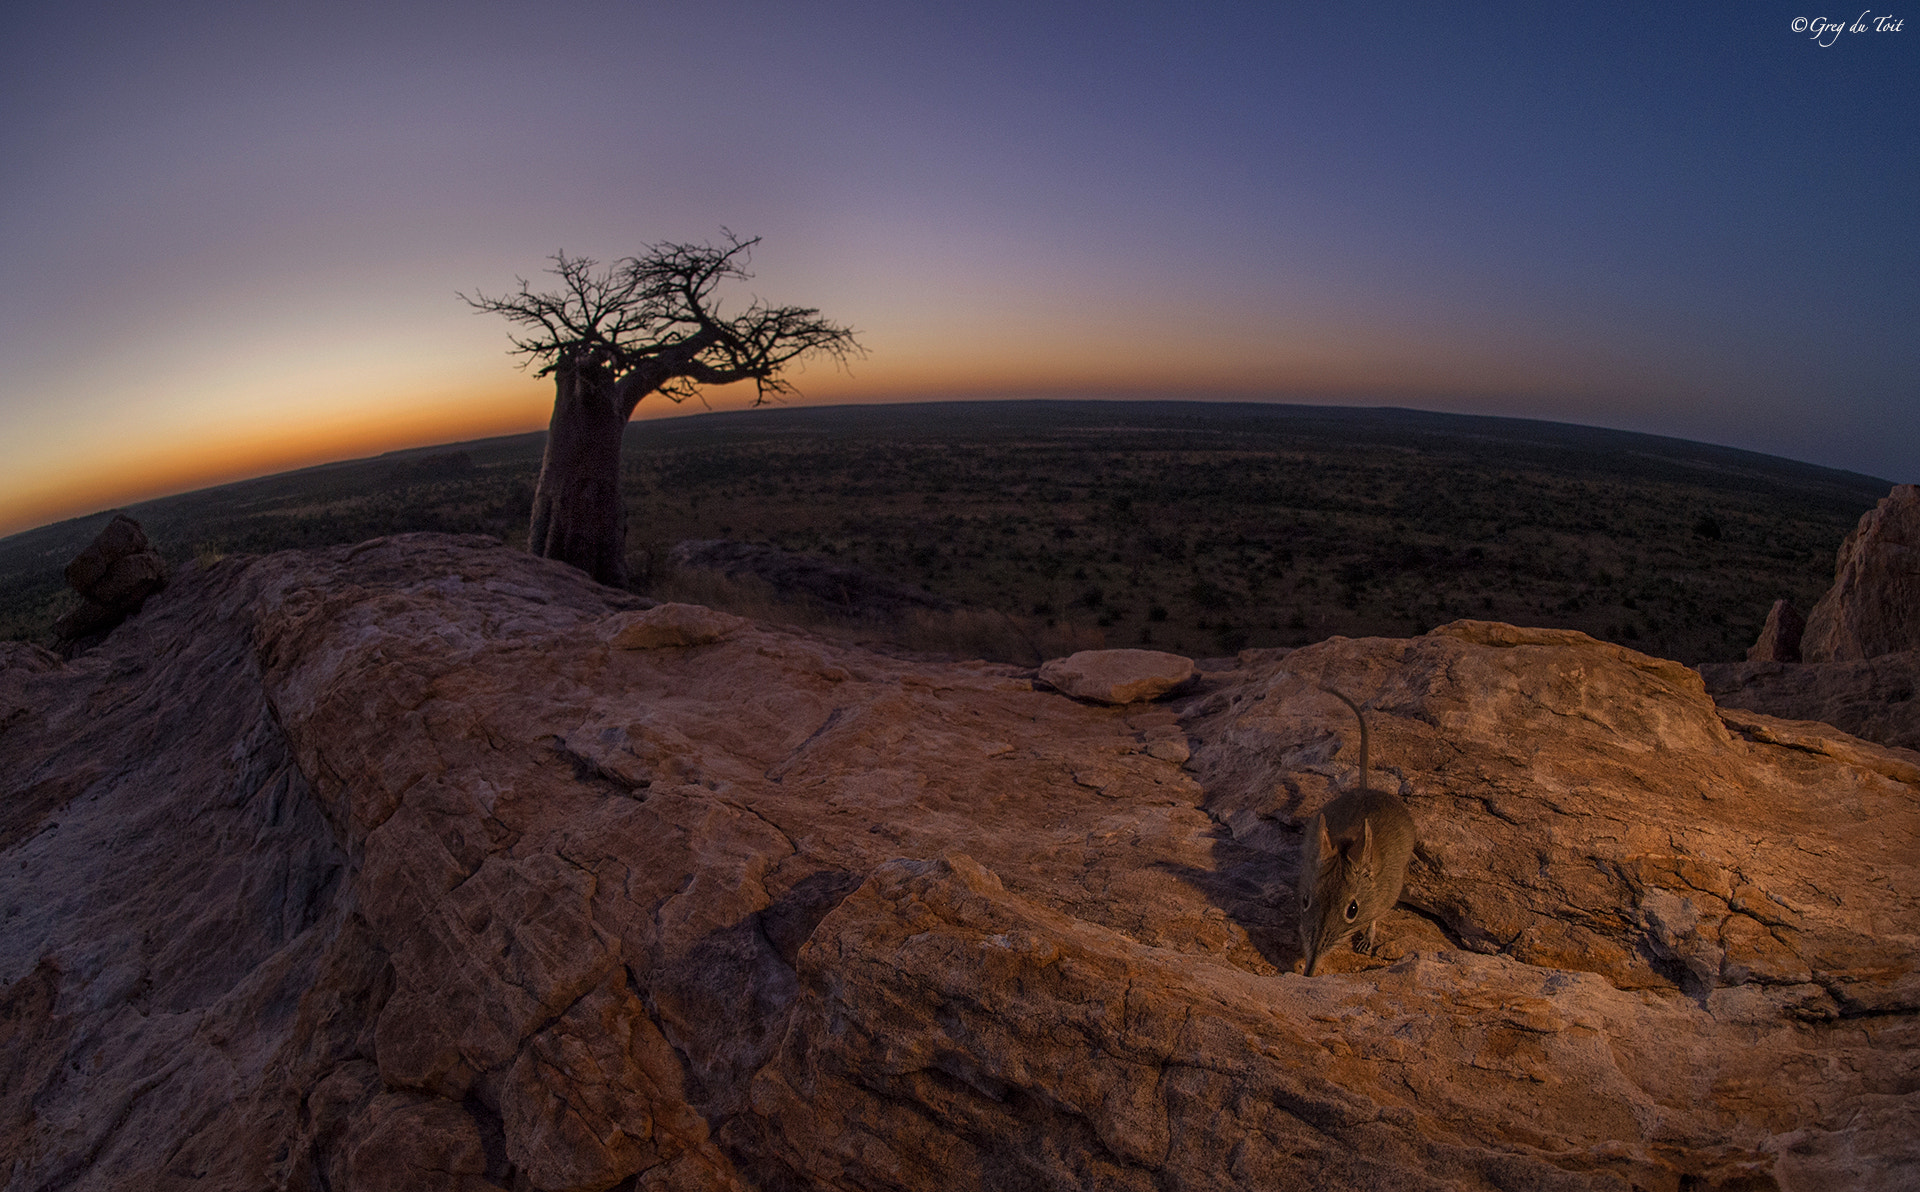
{"x": 645, "y": 324}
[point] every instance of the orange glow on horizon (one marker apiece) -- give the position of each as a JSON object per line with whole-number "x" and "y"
{"x": 1416, "y": 373}
{"x": 148, "y": 471}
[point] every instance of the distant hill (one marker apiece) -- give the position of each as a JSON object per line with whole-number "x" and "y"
{"x": 1194, "y": 526}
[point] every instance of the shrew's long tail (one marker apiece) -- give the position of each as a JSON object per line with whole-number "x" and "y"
{"x": 1364, "y": 744}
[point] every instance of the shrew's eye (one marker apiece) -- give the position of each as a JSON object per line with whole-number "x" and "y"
{"x": 1353, "y": 908}
{"x": 1305, "y": 901}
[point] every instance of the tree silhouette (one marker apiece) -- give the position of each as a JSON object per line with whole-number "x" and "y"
{"x": 646, "y": 324}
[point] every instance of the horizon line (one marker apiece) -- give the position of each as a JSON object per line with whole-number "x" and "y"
{"x": 283, "y": 458}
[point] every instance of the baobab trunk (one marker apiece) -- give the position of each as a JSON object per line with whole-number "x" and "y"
{"x": 578, "y": 517}
{"x": 608, "y": 339}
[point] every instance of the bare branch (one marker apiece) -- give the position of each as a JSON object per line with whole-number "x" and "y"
{"x": 653, "y": 324}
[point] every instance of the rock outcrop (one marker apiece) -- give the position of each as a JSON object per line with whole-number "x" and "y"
{"x": 1855, "y": 661}
{"x": 114, "y": 575}
{"x": 384, "y": 867}
{"x": 1873, "y": 607}
{"x": 1780, "y": 636}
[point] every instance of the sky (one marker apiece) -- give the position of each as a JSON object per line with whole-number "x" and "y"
{"x": 232, "y": 235}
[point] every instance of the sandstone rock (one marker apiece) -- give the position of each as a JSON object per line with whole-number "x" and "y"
{"x": 27, "y": 658}
{"x": 121, "y": 538}
{"x": 1117, "y": 676}
{"x": 89, "y": 618}
{"x": 671, "y": 625}
{"x": 1780, "y": 636}
{"x": 1901, "y": 765}
{"x": 1873, "y": 607}
{"x": 1872, "y": 698}
{"x": 418, "y": 1142}
{"x": 130, "y": 580}
{"x": 387, "y": 871}
{"x": 114, "y": 575}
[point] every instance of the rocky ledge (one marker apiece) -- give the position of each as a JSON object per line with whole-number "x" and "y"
{"x": 428, "y": 864}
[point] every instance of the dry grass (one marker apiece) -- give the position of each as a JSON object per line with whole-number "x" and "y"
{"x": 1206, "y": 530}
{"x": 962, "y": 633}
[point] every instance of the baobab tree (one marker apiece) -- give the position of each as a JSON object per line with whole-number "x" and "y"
{"x": 643, "y": 325}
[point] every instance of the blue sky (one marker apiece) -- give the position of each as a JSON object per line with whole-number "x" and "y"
{"x": 231, "y": 234}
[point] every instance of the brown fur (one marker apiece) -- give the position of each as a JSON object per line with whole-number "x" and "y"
{"x": 1353, "y": 862}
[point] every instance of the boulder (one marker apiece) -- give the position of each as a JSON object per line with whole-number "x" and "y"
{"x": 1117, "y": 676}
{"x": 387, "y": 871}
{"x": 119, "y": 539}
{"x": 114, "y": 575}
{"x": 1873, "y": 607}
{"x": 1780, "y": 636}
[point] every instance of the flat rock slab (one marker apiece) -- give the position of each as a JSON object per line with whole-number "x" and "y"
{"x": 1117, "y": 676}
{"x": 1871, "y": 698}
{"x": 671, "y": 625}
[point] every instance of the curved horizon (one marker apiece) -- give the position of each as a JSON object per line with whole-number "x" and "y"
{"x": 335, "y": 451}
{"x": 232, "y": 238}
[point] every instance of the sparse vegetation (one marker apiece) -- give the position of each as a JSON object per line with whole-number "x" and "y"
{"x": 1199, "y": 528}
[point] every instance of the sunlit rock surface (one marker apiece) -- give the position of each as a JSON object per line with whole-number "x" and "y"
{"x": 384, "y": 867}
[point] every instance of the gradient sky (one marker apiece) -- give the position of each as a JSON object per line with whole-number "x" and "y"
{"x": 231, "y": 233}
